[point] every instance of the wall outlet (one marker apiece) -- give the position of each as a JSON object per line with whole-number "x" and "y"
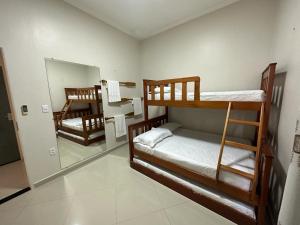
{"x": 45, "y": 108}
{"x": 52, "y": 151}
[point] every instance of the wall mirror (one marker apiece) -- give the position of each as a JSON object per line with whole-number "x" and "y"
{"x": 76, "y": 98}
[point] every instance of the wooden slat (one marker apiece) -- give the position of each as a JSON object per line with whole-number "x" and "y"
{"x": 197, "y": 91}
{"x": 238, "y": 172}
{"x": 173, "y": 91}
{"x": 162, "y": 92}
{"x": 244, "y": 122}
{"x": 184, "y": 91}
{"x": 152, "y": 87}
{"x": 240, "y": 145}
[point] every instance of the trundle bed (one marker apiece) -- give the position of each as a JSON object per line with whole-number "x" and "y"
{"x": 227, "y": 175}
{"x": 82, "y": 126}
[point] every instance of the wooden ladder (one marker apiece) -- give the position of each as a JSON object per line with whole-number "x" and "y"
{"x": 256, "y": 149}
{"x": 65, "y": 109}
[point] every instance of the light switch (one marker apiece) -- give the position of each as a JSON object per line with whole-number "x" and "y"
{"x": 45, "y": 108}
{"x": 24, "y": 110}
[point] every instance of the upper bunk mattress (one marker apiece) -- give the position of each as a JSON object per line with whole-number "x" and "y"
{"x": 76, "y": 123}
{"x": 83, "y": 97}
{"x": 234, "y": 96}
{"x": 199, "y": 151}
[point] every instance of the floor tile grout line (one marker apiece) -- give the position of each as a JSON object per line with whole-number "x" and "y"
{"x": 139, "y": 216}
{"x": 166, "y": 214}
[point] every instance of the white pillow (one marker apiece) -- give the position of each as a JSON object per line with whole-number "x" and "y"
{"x": 152, "y": 137}
{"x": 171, "y": 126}
{"x": 166, "y": 90}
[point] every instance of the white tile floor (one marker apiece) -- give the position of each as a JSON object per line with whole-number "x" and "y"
{"x": 105, "y": 192}
{"x": 70, "y": 152}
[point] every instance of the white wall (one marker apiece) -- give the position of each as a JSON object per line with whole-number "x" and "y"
{"x": 63, "y": 75}
{"x": 33, "y": 30}
{"x": 287, "y": 54}
{"x": 228, "y": 49}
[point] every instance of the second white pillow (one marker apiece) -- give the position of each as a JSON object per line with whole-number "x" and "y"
{"x": 152, "y": 137}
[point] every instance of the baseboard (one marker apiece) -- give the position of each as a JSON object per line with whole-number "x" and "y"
{"x": 3, "y": 200}
{"x": 76, "y": 166}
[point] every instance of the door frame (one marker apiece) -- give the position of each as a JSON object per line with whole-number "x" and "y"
{"x": 12, "y": 108}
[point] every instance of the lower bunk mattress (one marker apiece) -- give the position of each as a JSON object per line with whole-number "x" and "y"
{"x": 91, "y": 136}
{"x": 76, "y": 123}
{"x": 219, "y": 197}
{"x": 199, "y": 151}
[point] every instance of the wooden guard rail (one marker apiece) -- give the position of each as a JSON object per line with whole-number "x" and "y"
{"x": 87, "y": 94}
{"x": 70, "y": 115}
{"x": 92, "y": 123}
{"x": 152, "y": 84}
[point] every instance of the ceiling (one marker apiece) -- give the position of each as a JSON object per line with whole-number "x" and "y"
{"x": 145, "y": 18}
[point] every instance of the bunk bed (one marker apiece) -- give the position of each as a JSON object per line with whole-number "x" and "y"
{"x": 82, "y": 126}
{"x": 227, "y": 175}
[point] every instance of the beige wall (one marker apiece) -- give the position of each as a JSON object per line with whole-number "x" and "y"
{"x": 228, "y": 48}
{"x": 33, "y": 30}
{"x": 286, "y": 52}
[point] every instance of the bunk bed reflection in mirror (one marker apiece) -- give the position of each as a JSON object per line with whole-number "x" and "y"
{"x": 76, "y": 97}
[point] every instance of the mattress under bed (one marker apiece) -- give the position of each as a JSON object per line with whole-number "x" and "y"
{"x": 219, "y": 197}
{"x": 91, "y": 136}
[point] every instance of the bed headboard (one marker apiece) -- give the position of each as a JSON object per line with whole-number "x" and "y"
{"x": 267, "y": 83}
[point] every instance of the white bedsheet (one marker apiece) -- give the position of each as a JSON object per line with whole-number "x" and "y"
{"x": 199, "y": 152}
{"x": 76, "y": 123}
{"x": 239, "y": 206}
{"x": 240, "y": 96}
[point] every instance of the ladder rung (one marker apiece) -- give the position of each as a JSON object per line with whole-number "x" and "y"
{"x": 244, "y": 122}
{"x": 240, "y": 145}
{"x": 238, "y": 172}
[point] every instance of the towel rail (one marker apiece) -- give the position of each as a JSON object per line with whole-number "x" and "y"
{"x": 127, "y": 116}
{"x": 127, "y": 84}
{"x": 129, "y": 99}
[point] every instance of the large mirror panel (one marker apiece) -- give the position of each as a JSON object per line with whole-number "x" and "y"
{"x": 76, "y": 97}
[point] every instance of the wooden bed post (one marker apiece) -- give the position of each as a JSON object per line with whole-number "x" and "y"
{"x": 97, "y": 88}
{"x": 266, "y": 170}
{"x": 85, "y": 132}
{"x": 167, "y": 113}
{"x": 267, "y": 83}
{"x": 145, "y": 99}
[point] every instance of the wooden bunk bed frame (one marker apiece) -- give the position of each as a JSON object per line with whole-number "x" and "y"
{"x": 88, "y": 96}
{"x": 257, "y": 197}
